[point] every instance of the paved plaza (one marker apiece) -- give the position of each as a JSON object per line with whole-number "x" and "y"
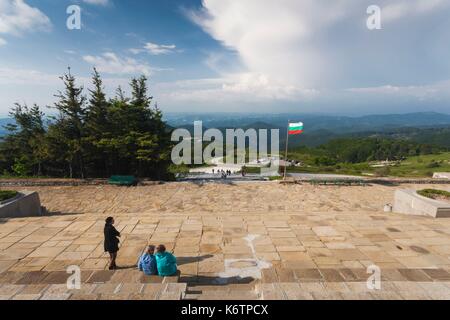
{"x": 259, "y": 240}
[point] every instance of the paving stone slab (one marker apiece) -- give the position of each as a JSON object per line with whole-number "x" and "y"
{"x": 100, "y": 276}
{"x": 308, "y": 275}
{"x": 34, "y": 289}
{"x": 84, "y": 297}
{"x": 416, "y": 275}
{"x": 437, "y": 274}
{"x": 10, "y": 277}
{"x": 32, "y": 277}
{"x": 332, "y": 275}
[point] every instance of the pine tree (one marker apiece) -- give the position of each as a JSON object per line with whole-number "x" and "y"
{"x": 69, "y": 126}
{"x": 89, "y": 138}
{"x": 25, "y": 146}
{"x": 98, "y": 127}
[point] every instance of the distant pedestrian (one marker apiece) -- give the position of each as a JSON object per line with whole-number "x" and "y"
{"x": 111, "y": 244}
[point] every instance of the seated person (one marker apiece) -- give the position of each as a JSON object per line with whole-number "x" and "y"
{"x": 166, "y": 262}
{"x": 147, "y": 262}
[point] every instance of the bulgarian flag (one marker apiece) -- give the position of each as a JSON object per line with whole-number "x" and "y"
{"x": 295, "y": 128}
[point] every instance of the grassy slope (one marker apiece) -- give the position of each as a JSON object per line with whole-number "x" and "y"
{"x": 434, "y": 194}
{"x": 420, "y": 166}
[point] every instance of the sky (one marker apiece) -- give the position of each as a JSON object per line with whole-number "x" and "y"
{"x": 274, "y": 56}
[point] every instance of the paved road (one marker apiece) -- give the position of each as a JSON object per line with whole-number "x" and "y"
{"x": 217, "y": 177}
{"x": 323, "y": 176}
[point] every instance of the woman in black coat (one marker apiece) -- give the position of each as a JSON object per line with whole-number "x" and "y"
{"x": 111, "y": 242}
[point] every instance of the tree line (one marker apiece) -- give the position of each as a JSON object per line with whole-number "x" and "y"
{"x": 90, "y": 136}
{"x": 359, "y": 150}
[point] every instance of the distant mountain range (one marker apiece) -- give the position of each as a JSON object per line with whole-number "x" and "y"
{"x": 429, "y": 127}
{"x": 312, "y": 122}
{"x": 426, "y": 127}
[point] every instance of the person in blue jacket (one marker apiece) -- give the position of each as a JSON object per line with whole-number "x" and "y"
{"x": 166, "y": 262}
{"x": 147, "y": 262}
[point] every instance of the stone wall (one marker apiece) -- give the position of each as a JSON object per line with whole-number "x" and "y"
{"x": 409, "y": 202}
{"x": 27, "y": 204}
{"x": 442, "y": 175}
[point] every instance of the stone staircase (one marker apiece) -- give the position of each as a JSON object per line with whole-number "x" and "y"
{"x": 241, "y": 292}
{"x": 275, "y": 284}
{"x": 95, "y": 285}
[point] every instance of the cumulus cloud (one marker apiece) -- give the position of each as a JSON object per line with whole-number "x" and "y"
{"x": 21, "y": 76}
{"x": 320, "y": 43}
{"x": 155, "y": 49}
{"x": 232, "y": 89}
{"x": 97, "y": 2}
{"x": 17, "y": 17}
{"x": 35, "y": 86}
{"x": 110, "y": 63}
{"x": 421, "y": 92}
{"x": 408, "y": 8}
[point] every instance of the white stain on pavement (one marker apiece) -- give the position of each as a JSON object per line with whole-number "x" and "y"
{"x": 245, "y": 268}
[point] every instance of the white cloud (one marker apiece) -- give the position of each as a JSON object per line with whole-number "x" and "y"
{"x": 17, "y": 76}
{"x": 136, "y": 50}
{"x": 408, "y": 8}
{"x": 17, "y": 17}
{"x": 13, "y": 76}
{"x": 295, "y": 45}
{"x": 110, "y": 63}
{"x": 421, "y": 92}
{"x": 33, "y": 86}
{"x": 155, "y": 49}
{"x": 97, "y": 2}
{"x": 2, "y": 42}
{"x": 233, "y": 89}
{"x": 158, "y": 49}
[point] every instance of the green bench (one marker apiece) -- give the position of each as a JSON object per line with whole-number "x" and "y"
{"x": 123, "y": 181}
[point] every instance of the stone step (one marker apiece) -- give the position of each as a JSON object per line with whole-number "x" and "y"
{"x": 390, "y": 290}
{"x": 104, "y": 291}
{"x": 87, "y": 276}
{"x": 222, "y": 292}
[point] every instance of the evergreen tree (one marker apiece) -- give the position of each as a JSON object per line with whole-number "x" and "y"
{"x": 68, "y": 129}
{"x": 24, "y": 149}
{"x": 94, "y": 138}
{"x": 98, "y": 127}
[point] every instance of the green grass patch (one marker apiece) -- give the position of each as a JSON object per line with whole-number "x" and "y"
{"x": 434, "y": 194}
{"x": 7, "y": 194}
{"x": 275, "y": 178}
{"x": 413, "y": 167}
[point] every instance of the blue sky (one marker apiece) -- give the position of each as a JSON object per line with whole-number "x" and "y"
{"x": 312, "y": 56}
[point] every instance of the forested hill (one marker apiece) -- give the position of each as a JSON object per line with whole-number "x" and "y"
{"x": 438, "y": 136}
{"x": 337, "y": 124}
{"x": 319, "y": 125}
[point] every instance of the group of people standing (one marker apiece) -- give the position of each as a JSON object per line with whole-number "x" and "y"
{"x": 225, "y": 173}
{"x": 154, "y": 261}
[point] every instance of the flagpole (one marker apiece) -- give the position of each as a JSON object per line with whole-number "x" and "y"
{"x": 286, "y": 154}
